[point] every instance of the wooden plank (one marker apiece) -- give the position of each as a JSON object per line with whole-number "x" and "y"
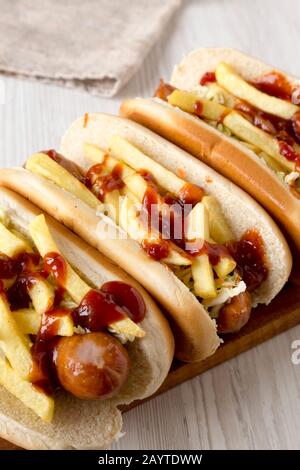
{"x": 266, "y": 321}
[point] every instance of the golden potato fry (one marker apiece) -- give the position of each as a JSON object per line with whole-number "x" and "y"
{"x": 44, "y": 242}
{"x": 241, "y": 127}
{"x": 197, "y": 226}
{"x": 224, "y": 267}
{"x": 202, "y": 107}
{"x": 10, "y": 244}
{"x": 96, "y": 155}
{"x": 204, "y": 284}
{"x": 37, "y": 401}
{"x": 74, "y": 285}
{"x": 229, "y": 79}
{"x": 42, "y": 295}
{"x": 218, "y": 227}
{"x": 133, "y": 226}
{"x": 123, "y": 150}
{"x": 43, "y": 165}
{"x": 128, "y": 329}
{"x": 29, "y": 322}
{"x": 14, "y": 344}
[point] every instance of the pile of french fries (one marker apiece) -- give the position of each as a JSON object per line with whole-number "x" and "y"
{"x": 205, "y": 222}
{"x": 17, "y": 326}
{"x": 218, "y": 107}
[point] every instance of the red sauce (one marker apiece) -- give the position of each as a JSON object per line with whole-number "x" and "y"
{"x": 149, "y": 211}
{"x": 157, "y": 249}
{"x": 289, "y": 153}
{"x": 1, "y": 287}
{"x": 42, "y": 373}
{"x": 103, "y": 184}
{"x": 28, "y": 262}
{"x": 273, "y": 125}
{"x": 198, "y": 108}
{"x": 18, "y": 293}
{"x": 97, "y": 310}
{"x": 8, "y": 267}
{"x": 163, "y": 90}
{"x": 207, "y": 77}
{"x": 249, "y": 254}
{"x": 68, "y": 165}
{"x": 191, "y": 194}
{"x": 214, "y": 251}
{"x": 274, "y": 84}
{"x": 148, "y": 177}
{"x": 55, "y": 264}
{"x": 85, "y": 119}
{"x": 128, "y": 298}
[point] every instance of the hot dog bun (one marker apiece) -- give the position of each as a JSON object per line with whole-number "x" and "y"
{"x": 195, "y": 331}
{"x": 81, "y": 424}
{"x": 225, "y": 154}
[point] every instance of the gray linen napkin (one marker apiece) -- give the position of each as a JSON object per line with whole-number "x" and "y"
{"x": 93, "y": 44}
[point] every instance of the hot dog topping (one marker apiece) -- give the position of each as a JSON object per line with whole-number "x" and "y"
{"x": 269, "y": 104}
{"x": 250, "y": 256}
{"x": 276, "y": 84}
{"x": 173, "y": 220}
{"x": 42, "y": 299}
{"x": 103, "y": 184}
{"x": 55, "y": 264}
{"x": 207, "y": 77}
{"x": 67, "y": 164}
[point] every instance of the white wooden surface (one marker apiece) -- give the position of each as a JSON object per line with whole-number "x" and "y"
{"x": 253, "y": 401}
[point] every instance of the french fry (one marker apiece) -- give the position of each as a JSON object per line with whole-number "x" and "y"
{"x": 250, "y": 133}
{"x": 111, "y": 205}
{"x": 203, "y": 276}
{"x": 29, "y": 322}
{"x": 197, "y": 227}
{"x": 218, "y": 227}
{"x": 137, "y": 185}
{"x": 43, "y": 165}
{"x": 37, "y": 401}
{"x": 13, "y": 342}
{"x": 192, "y": 103}
{"x": 221, "y": 95}
{"x": 45, "y": 243}
{"x": 74, "y": 285}
{"x": 132, "y": 197}
{"x": 96, "y": 155}
{"x": 224, "y": 267}
{"x": 123, "y": 150}
{"x": 127, "y": 328}
{"x": 10, "y": 244}
{"x": 131, "y": 223}
{"x": 229, "y": 79}
{"x": 42, "y": 295}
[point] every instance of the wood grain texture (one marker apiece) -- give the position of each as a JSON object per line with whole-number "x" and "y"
{"x": 253, "y": 400}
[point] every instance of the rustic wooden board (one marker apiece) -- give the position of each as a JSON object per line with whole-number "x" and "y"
{"x": 266, "y": 322}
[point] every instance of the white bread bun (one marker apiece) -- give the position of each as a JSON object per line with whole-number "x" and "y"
{"x": 81, "y": 424}
{"x": 225, "y": 154}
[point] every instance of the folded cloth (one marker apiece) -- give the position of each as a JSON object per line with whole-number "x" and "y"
{"x": 93, "y": 44}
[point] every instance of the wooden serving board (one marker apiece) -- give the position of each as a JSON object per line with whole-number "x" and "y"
{"x": 266, "y": 322}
